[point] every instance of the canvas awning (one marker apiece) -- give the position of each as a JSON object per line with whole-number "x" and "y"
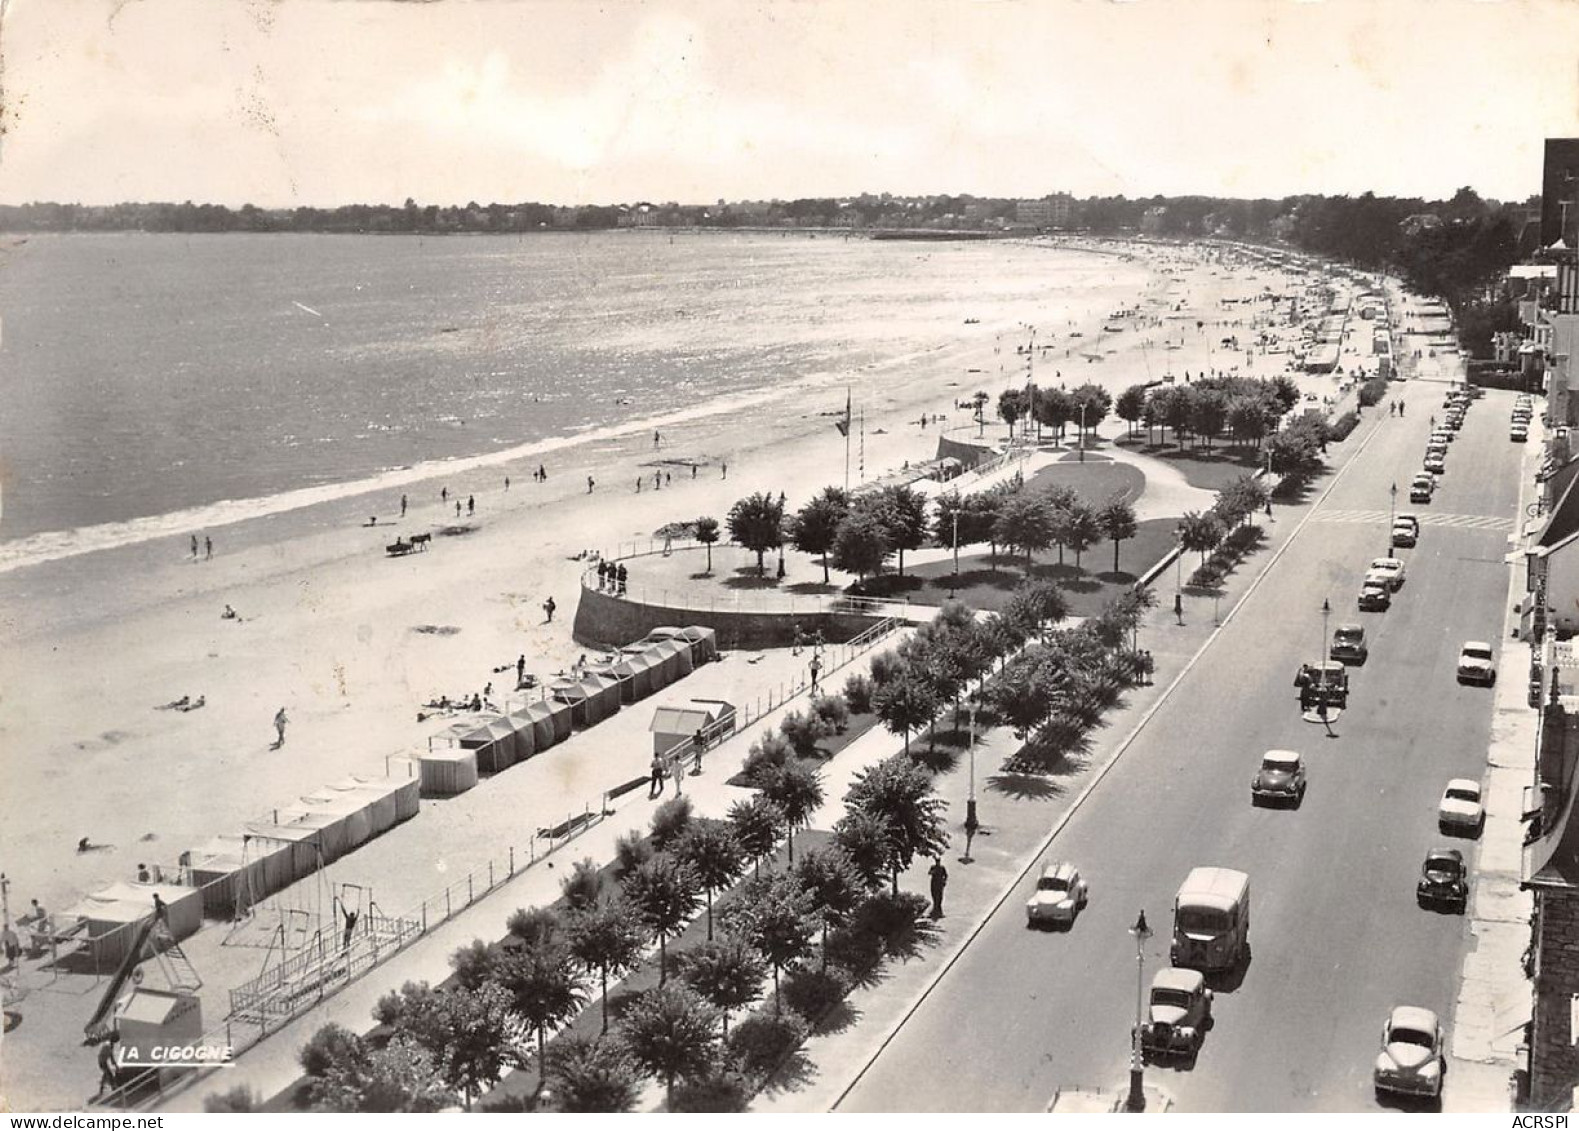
{"x": 704, "y": 643}
{"x": 353, "y": 807}
{"x": 660, "y": 671}
{"x": 114, "y": 915}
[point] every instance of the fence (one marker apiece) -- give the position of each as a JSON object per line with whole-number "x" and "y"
{"x": 327, "y": 965}
{"x": 775, "y": 604}
{"x": 835, "y": 657}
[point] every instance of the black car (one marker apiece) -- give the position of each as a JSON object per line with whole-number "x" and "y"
{"x": 1442, "y": 881}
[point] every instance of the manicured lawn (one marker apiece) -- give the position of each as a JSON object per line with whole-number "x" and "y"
{"x": 1088, "y": 589}
{"x": 1096, "y": 480}
{"x": 1209, "y": 470}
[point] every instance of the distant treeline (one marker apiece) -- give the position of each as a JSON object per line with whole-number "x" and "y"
{"x": 1455, "y": 248}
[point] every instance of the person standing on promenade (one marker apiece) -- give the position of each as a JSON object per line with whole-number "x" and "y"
{"x": 622, "y": 575}
{"x": 815, "y": 667}
{"x": 402, "y": 506}
{"x": 939, "y": 875}
{"x": 655, "y": 784}
{"x": 279, "y": 727}
{"x": 444, "y": 494}
{"x": 1178, "y": 606}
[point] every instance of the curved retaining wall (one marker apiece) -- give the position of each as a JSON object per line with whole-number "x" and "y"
{"x": 604, "y": 619}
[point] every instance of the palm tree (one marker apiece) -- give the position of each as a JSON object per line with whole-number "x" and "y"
{"x": 541, "y": 981}
{"x": 1117, "y": 520}
{"x": 664, "y": 894}
{"x": 670, "y": 1032}
{"x": 796, "y": 788}
{"x": 706, "y": 530}
{"x": 606, "y": 939}
{"x": 756, "y": 824}
{"x": 712, "y": 851}
{"x": 898, "y": 793}
{"x": 757, "y": 523}
{"x": 727, "y": 974}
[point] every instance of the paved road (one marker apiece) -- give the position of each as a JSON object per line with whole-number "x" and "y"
{"x": 1336, "y": 936}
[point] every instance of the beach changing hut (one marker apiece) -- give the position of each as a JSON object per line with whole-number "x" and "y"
{"x": 493, "y": 739}
{"x": 622, "y": 677}
{"x": 660, "y": 673}
{"x": 672, "y": 726}
{"x": 639, "y": 670}
{"x": 676, "y": 656}
{"x": 447, "y": 771}
{"x": 114, "y": 914}
{"x": 591, "y": 698}
{"x": 294, "y": 850}
{"x": 703, "y": 642}
{"x": 229, "y": 873}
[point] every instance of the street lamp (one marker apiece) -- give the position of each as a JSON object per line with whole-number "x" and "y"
{"x": 954, "y": 584}
{"x": 1321, "y": 657}
{"x": 1392, "y": 508}
{"x": 1137, "y": 1071}
{"x": 971, "y": 824}
{"x": 1083, "y": 406}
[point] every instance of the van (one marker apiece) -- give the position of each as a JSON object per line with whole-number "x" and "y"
{"x": 1211, "y": 919}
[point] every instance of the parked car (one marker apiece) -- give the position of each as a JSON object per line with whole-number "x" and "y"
{"x": 1059, "y": 896}
{"x": 1390, "y": 568}
{"x": 1280, "y": 778}
{"x": 1461, "y": 809}
{"x": 1421, "y": 489}
{"x": 1327, "y": 680}
{"x": 1405, "y": 534}
{"x": 1348, "y": 643}
{"x": 1475, "y": 663}
{"x": 1442, "y": 880}
{"x": 1435, "y": 464}
{"x": 1410, "y": 1062}
{"x": 1376, "y": 594}
{"x": 1412, "y": 519}
{"x": 1178, "y": 1014}
{"x": 1519, "y": 434}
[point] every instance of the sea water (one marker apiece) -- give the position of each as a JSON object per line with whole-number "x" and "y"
{"x": 151, "y": 384}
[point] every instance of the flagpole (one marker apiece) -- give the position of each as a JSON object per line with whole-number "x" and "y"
{"x": 846, "y": 439}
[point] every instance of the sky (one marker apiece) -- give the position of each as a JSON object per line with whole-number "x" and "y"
{"x": 280, "y": 103}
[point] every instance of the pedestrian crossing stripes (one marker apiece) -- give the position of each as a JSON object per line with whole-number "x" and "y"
{"x": 1426, "y": 517}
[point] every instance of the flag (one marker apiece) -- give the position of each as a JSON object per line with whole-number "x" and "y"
{"x": 844, "y": 425}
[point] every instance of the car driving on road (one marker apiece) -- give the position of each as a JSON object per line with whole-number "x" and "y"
{"x": 1475, "y": 663}
{"x": 1390, "y": 568}
{"x": 1461, "y": 810}
{"x": 1179, "y": 1013}
{"x": 1442, "y": 880}
{"x": 1059, "y": 896}
{"x": 1410, "y": 1062}
{"x": 1280, "y": 779}
{"x": 1348, "y": 643}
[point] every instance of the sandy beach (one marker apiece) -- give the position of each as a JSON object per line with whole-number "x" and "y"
{"x": 350, "y": 642}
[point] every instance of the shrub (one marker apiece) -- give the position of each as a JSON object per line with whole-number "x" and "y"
{"x": 858, "y": 694}
{"x": 761, "y": 1042}
{"x": 853, "y": 951}
{"x": 885, "y": 914}
{"x": 803, "y": 732}
{"x": 1340, "y": 428}
{"x": 886, "y": 667}
{"x": 238, "y": 1099}
{"x": 669, "y": 821}
{"x": 832, "y": 711}
{"x": 812, "y": 993}
{"x": 770, "y": 750}
{"x": 333, "y": 1044}
{"x": 1208, "y": 576}
{"x": 630, "y": 852}
{"x": 721, "y": 1091}
{"x": 1373, "y": 391}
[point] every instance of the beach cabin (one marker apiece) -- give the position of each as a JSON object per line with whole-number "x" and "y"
{"x": 660, "y": 673}
{"x": 591, "y": 698}
{"x": 493, "y": 739}
{"x": 295, "y": 850}
{"x": 676, "y": 656}
{"x": 230, "y": 873}
{"x": 113, "y": 916}
{"x": 703, "y": 642}
{"x": 446, "y": 771}
{"x": 672, "y": 726}
{"x": 623, "y": 680}
{"x": 636, "y": 671}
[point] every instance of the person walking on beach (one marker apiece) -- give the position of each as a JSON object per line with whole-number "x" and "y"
{"x": 471, "y": 505}
{"x": 656, "y": 440}
{"x": 542, "y": 474}
{"x": 208, "y": 548}
{"x": 457, "y": 508}
{"x": 520, "y": 670}
{"x": 548, "y": 610}
{"x": 194, "y": 547}
{"x": 444, "y": 494}
{"x": 638, "y": 484}
{"x": 591, "y": 483}
{"x": 668, "y": 480}
{"x": 723, "y": 465}
{"x": 402, "y": 506}
{"x": 506, "y": 482}
{"x": 657, "y": 481}
{"x": 279, "y": 727}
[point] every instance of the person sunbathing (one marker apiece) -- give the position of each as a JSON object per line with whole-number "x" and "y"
{"x": 200, "y": 701}
{"x": 175, "y": 704}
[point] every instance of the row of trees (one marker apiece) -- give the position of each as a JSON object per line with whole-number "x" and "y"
{"x": 860, "y": 534}
{"x": 1084, "y": 406}
{"x": 1248, "y": 409}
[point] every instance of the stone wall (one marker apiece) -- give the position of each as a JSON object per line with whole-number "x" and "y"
{"x": 1554, "y": 1058}
{"x": 603, "y": 619}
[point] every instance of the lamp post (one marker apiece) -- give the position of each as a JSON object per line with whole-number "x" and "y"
{"x": 1137, "y": 1071}
{"x": 971, "y": 824}
{"x": 1321, "y": 656}
{"x": 954, "y": 584}
{"x": 1392, "y": 513}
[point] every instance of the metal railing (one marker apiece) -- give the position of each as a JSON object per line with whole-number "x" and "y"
{"x": 776, "y": 604}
